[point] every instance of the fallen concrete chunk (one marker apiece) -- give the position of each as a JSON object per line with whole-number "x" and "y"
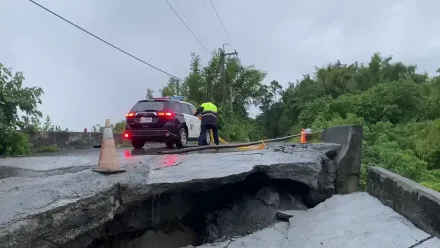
{"x": 152, "y": 238}
{"x": 268, "y": 196}
{"x": 55, "y": 210}
{"x": 291, "y": 201}
{"x": 353, "y": 220}
{"x": 327, "y": 176}
{"x": 273, "y": 236}
{"x": 246, "y": 216}
{"x": 287, "y": 214}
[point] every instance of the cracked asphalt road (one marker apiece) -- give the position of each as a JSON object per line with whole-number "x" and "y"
{"x": 355, "y": 220}
{"x": 73, "y": 161}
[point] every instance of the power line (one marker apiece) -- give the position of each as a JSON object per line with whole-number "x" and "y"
{"x": 106, "y": 42}
{"x": 224, "y": 29}
{"x": 191, "y": 24}
{"x": 210, "y": 10}
{"x": 175, "y": 12}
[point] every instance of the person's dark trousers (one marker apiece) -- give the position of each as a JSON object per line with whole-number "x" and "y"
{"x": 215, "y": 134}
{"x": 202, "y": 136}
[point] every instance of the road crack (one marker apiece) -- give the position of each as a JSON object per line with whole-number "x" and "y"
{"x": 421, "y": 241}
{"x": 227, "y": 245}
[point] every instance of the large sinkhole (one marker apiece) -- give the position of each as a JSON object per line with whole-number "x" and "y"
{"x": 184, "y": 218}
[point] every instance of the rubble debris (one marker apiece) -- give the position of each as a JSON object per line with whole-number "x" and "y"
{"x": 285, "y": 215}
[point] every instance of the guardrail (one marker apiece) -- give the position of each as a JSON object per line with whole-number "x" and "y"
{"x": 418, "y": 204}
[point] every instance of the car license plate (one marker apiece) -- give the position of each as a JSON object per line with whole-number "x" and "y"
{"x": 146, "y": 120}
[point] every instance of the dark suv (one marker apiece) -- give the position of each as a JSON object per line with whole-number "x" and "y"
{"x": 166, "y": 119}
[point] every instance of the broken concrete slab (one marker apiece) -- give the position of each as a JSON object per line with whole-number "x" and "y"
{"x": 353, "y": 220}
{"x": 54, "y": 210}
{"x": 328, "y": 174}
{"x": 159, "y": 239}
{"x": 272, "y": 236}
{"x": 248, "y": 213}
{"x": 349, "y": 158}
{"x": 287, "y": 214}
{"x": 269, "y": 196}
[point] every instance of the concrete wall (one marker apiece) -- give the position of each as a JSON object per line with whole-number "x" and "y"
{"x": 418, "y": 204}
{"x": 349, "y": 158}
{"x": 68, "y": 140}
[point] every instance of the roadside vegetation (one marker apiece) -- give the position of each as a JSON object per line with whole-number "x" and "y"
{"x": 398, "y": 106}
{"x": 19, "y": 111}
{"x": 118, "y": 127}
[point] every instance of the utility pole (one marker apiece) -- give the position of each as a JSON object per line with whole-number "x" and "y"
{"x": 223, "y": 74}
{"x": 223, "y": 71}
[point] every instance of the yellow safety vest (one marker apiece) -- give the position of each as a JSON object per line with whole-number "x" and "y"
{"x": 208, "y": 106}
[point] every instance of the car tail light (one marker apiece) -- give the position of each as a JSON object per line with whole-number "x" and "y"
{"x": 130, "y": 114}
{"x": 166, "y": 114}
{"x": 126, "y": 135}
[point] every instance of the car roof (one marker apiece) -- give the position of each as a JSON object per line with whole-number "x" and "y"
{"x": 187, "y": 103}
{"x": 164, "y": 100}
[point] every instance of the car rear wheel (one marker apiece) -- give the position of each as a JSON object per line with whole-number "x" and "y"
{"x": 170, "y": 144}
{"x": 137, "y": 144}
{"x": 183, "y": 138}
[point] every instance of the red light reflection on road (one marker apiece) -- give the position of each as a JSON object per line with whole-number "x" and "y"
{"x": 127, "y": 154}
{"x": 169, "y": 160}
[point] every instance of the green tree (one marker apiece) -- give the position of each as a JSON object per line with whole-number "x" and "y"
{"x": 97, "y": 128}
{"x": 15, "y": 97}
{"x": 398, "y": 107}
{"x": 31, "y": 124}
{"x": 205, "y": 84}
{"x": 149, "y": 94}
{"x": 48, "y": 126}
{"x": 119, "y": 127}
{"x": 173, "y": 88}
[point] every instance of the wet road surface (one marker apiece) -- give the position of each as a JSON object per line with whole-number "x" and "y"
{"x": 355, "y": 220}
{"x": 73, "y": 161}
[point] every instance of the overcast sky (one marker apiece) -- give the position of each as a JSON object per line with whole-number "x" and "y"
{"x": 86, "y": 81}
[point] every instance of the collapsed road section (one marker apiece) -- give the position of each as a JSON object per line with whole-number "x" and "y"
{"x": 201, "y": 199}
{"x": 282, "y": 197}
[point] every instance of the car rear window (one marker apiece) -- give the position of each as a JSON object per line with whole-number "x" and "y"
{"x": 152, "y": 106}
{"x": 192, "y": 108}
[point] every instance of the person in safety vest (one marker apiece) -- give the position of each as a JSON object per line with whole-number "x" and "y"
{"x": 208, "y": 111}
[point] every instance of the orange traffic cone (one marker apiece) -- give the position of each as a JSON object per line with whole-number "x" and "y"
{"x": 303, "y": 138}
{"x": 108, "y": 161}
{"x": 262, "y": 146}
